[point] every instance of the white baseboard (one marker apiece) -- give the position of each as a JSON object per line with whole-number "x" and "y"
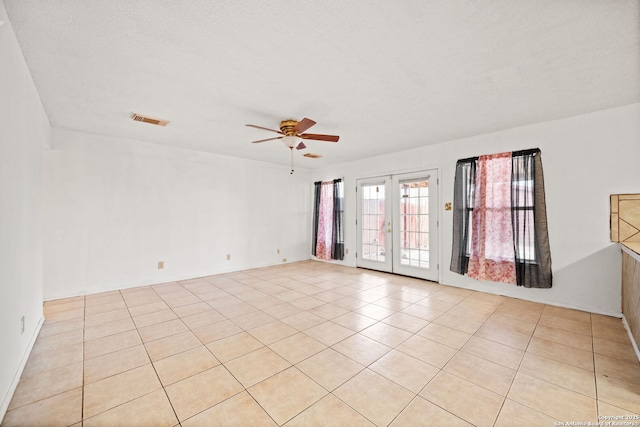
{"x": 633, "y": 340}
{"x": 23, "y": 362}
{"x": 157, "y": 280}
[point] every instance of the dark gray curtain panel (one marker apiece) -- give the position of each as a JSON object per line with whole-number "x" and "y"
{"x": 529, "y": 220}
{"x": 316, "y": 214}
{"x": 462, "y": 208}
{"x": 337, "y": 241}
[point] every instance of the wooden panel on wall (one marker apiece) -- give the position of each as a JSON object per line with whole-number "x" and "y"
{"x": 631, "y": 293}
{"x": 625, "y": 218}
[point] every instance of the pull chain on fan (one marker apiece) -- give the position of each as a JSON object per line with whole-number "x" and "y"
{"x": 291, "y": 150}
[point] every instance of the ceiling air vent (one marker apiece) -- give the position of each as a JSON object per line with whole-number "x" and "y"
{"x": 147, "y": 119}
{"x": 313, "y": 156}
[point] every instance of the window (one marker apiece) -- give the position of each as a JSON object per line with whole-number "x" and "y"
{"x": 500, "y": 232}
{"x": 522, "y": 205}
{"x": 523, "y": 209}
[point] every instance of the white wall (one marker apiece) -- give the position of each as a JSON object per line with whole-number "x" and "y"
{"x": 24, "y": 131}
{"x": 585, "y": 158}
{"x": 116, "y": 207}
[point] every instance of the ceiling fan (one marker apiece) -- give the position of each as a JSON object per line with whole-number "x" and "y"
{"x": 291, "y": 132}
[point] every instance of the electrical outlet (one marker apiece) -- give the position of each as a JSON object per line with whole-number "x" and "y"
{"x": 160, "y": 265}
{"x": 284, "y": 260}
{"x": 22, "y": 325}
{"x": 228, "y": 257}
{"x": 346, "y": 251}
{"x": 278, "y": 250}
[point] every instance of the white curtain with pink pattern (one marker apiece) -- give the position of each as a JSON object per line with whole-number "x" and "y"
{"x": 492, "y": 255}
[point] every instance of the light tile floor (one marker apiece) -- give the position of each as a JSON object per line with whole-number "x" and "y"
{"x": 315, "y": 344}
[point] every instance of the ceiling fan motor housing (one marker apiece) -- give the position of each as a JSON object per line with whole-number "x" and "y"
{"x": 288, "y": 127}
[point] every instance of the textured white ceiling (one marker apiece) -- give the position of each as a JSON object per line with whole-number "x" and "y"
{"x": 384, "y": 75}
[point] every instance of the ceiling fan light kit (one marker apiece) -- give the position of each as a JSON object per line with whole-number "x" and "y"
{"x": 291, "y": 141}
{"x": 292, "y": 136}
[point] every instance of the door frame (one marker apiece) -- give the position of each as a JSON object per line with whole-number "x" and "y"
{"x": 433, "y": 271}
{"x": 435, "y": 172}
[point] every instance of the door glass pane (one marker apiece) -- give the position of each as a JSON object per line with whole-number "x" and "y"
{"x": 373, "y": 222}
{"x": 414, "y": 223}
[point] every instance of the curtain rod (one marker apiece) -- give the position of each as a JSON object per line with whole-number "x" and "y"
{"x": 518, "y": 153}
{"x": 468, "y": 159}
{"x": 333, "y": 181}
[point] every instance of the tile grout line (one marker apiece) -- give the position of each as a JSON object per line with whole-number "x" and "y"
{"x": 151, "y": 362}
{"x": 459, "y": 350}
{"x": 553, "y": 384}
{"x": 164, "y": 389}
{"x": 244, "y": 389}
{"x": 115, "y": 351}
{"x": 271, "y": 376}
{"x": 524, "y": 353}
{"x": 595, "y": 374}
{"x": 415, "y": 395}
{"x": 313, "y": 380}
{"x": 264, "y": 409}
{"x": 84, "y": 307}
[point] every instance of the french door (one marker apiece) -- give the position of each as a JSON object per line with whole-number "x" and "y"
{"x": 397, "y": 224}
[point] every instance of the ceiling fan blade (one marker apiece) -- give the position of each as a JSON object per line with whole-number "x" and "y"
{"x": 303, "y": 125}
{"x": 301, "y": 146}
{"x": 263, "y": 128}
{"x": 317, "y": 137}
{"x": 268, "y": 139}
